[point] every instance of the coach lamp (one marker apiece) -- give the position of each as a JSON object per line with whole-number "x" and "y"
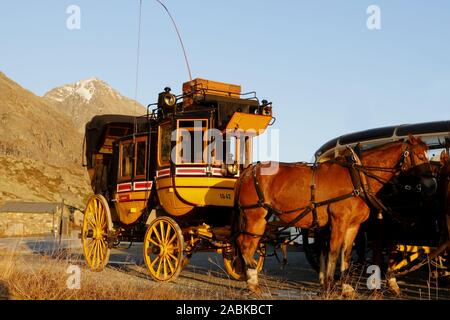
{"x": 230, "y": 167}
{"x": 265, "y": 108}
{"x": 166, "y": 100}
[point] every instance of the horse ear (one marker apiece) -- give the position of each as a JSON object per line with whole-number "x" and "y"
{"x": 413, "y": 140}
{"x": 444, "y": 157}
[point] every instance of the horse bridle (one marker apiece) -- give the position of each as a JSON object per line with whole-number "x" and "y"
{"x": 356, "y": 168}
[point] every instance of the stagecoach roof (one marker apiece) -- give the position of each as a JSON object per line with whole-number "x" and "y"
{"x": 99, "y": 122}
{"x": 390, "y": 133}
{"x": 95, "y": 127}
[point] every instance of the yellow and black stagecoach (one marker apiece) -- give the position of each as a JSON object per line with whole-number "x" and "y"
{"x": 167, "y": 178}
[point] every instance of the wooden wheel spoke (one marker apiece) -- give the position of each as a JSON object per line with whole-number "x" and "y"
{"x": 172, "y": 239}
{"x": 155, "y": 231}
{"x": 165, "y": 274}
{"x": 97, "y": 254}
{"x": 104, "y": 226}
{"x": 167, "y": 233}
{"x": 95, "y": 205}
{"x": 152, "y": 241}
{"x": 93, "y": 211}
{"x": 104, "y": 220}
{"x": 173, "y": 257}
{"x": 92, "y": 223}
{"x": 98, "y": 214}
{"x": 91, "y": 250}
{"x": 104, "y": 246}
{"x": 158, "y": 271}
{"x": 94, "y": 253}
{"x": 161, "y": 227}
{"x": 101, "y": 213}
{"x": 154, "y": 261}
{"x": 172, "y": 268}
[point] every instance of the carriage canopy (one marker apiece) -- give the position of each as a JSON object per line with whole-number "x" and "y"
{"x": 435, "y": 134}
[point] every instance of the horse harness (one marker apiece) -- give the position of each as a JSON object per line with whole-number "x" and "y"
{"x": 358, "y": 174}
{"x": 303, "y": 211}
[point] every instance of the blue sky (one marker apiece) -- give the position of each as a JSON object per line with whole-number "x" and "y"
{"x": 325, "y": 71}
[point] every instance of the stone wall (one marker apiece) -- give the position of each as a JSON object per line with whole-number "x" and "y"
{"x": 27, "y": 224}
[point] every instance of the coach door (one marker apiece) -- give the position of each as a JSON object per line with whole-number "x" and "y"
{"x": 134, "y": 182}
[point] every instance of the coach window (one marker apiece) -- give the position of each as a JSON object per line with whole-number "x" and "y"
{"x": 141, "y": 158}
{"x": 126, "y": 160}
{"x": 164, "y": 144}
{"x": 191, "y": 141}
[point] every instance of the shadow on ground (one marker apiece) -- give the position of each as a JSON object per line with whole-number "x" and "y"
{"x": 4, "y": 291}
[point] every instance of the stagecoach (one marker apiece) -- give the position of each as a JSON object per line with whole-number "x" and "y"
{"x": 167, "y": 178}
{"x": 413, "y": 229}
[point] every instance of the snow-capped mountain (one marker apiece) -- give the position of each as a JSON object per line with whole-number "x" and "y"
{"x": 86, "y": 98}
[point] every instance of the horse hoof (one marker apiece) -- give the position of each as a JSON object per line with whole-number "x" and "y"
{"x": 393, "y": 287}
{"x": 348, "y": 291}
{"x": 254, "y": 288}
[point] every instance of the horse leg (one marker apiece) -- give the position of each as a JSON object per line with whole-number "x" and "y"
{"x": 391, "y": 280}
{"x": 283, "y": 249}
{"x": 322, "y": 272}
{"x": 323, "y": 245}
{"x": 247, "y": 246}
{"x": 333, "y": 253}
{"x": 248, "y": 243}
{"x": 346, "y": 253}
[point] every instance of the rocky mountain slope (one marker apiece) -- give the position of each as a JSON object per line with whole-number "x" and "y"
{"x": 32, "y": 127}
{"x": 41, "y": 138}
{"x": 84, "y": 99}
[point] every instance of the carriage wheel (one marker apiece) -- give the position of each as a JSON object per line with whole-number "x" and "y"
{"x": 163, "y": 249}
{"x": 94, "y": 234}
{"x": 234, "y": 264}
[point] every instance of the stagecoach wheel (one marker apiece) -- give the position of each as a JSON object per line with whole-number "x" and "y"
{"x": 163, "y": 249}
{"x": 234, "y": 264}
{"x": 94, "y": 235}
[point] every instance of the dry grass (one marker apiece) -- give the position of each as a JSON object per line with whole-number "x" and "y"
{"x": 44, "y": 277}
{"x": 41, "y": 277}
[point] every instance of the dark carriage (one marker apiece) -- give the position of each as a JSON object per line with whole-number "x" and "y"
{"x": 414, "y": 226}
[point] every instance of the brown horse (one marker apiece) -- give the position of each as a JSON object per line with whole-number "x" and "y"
{"x": 308, "y": 196}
